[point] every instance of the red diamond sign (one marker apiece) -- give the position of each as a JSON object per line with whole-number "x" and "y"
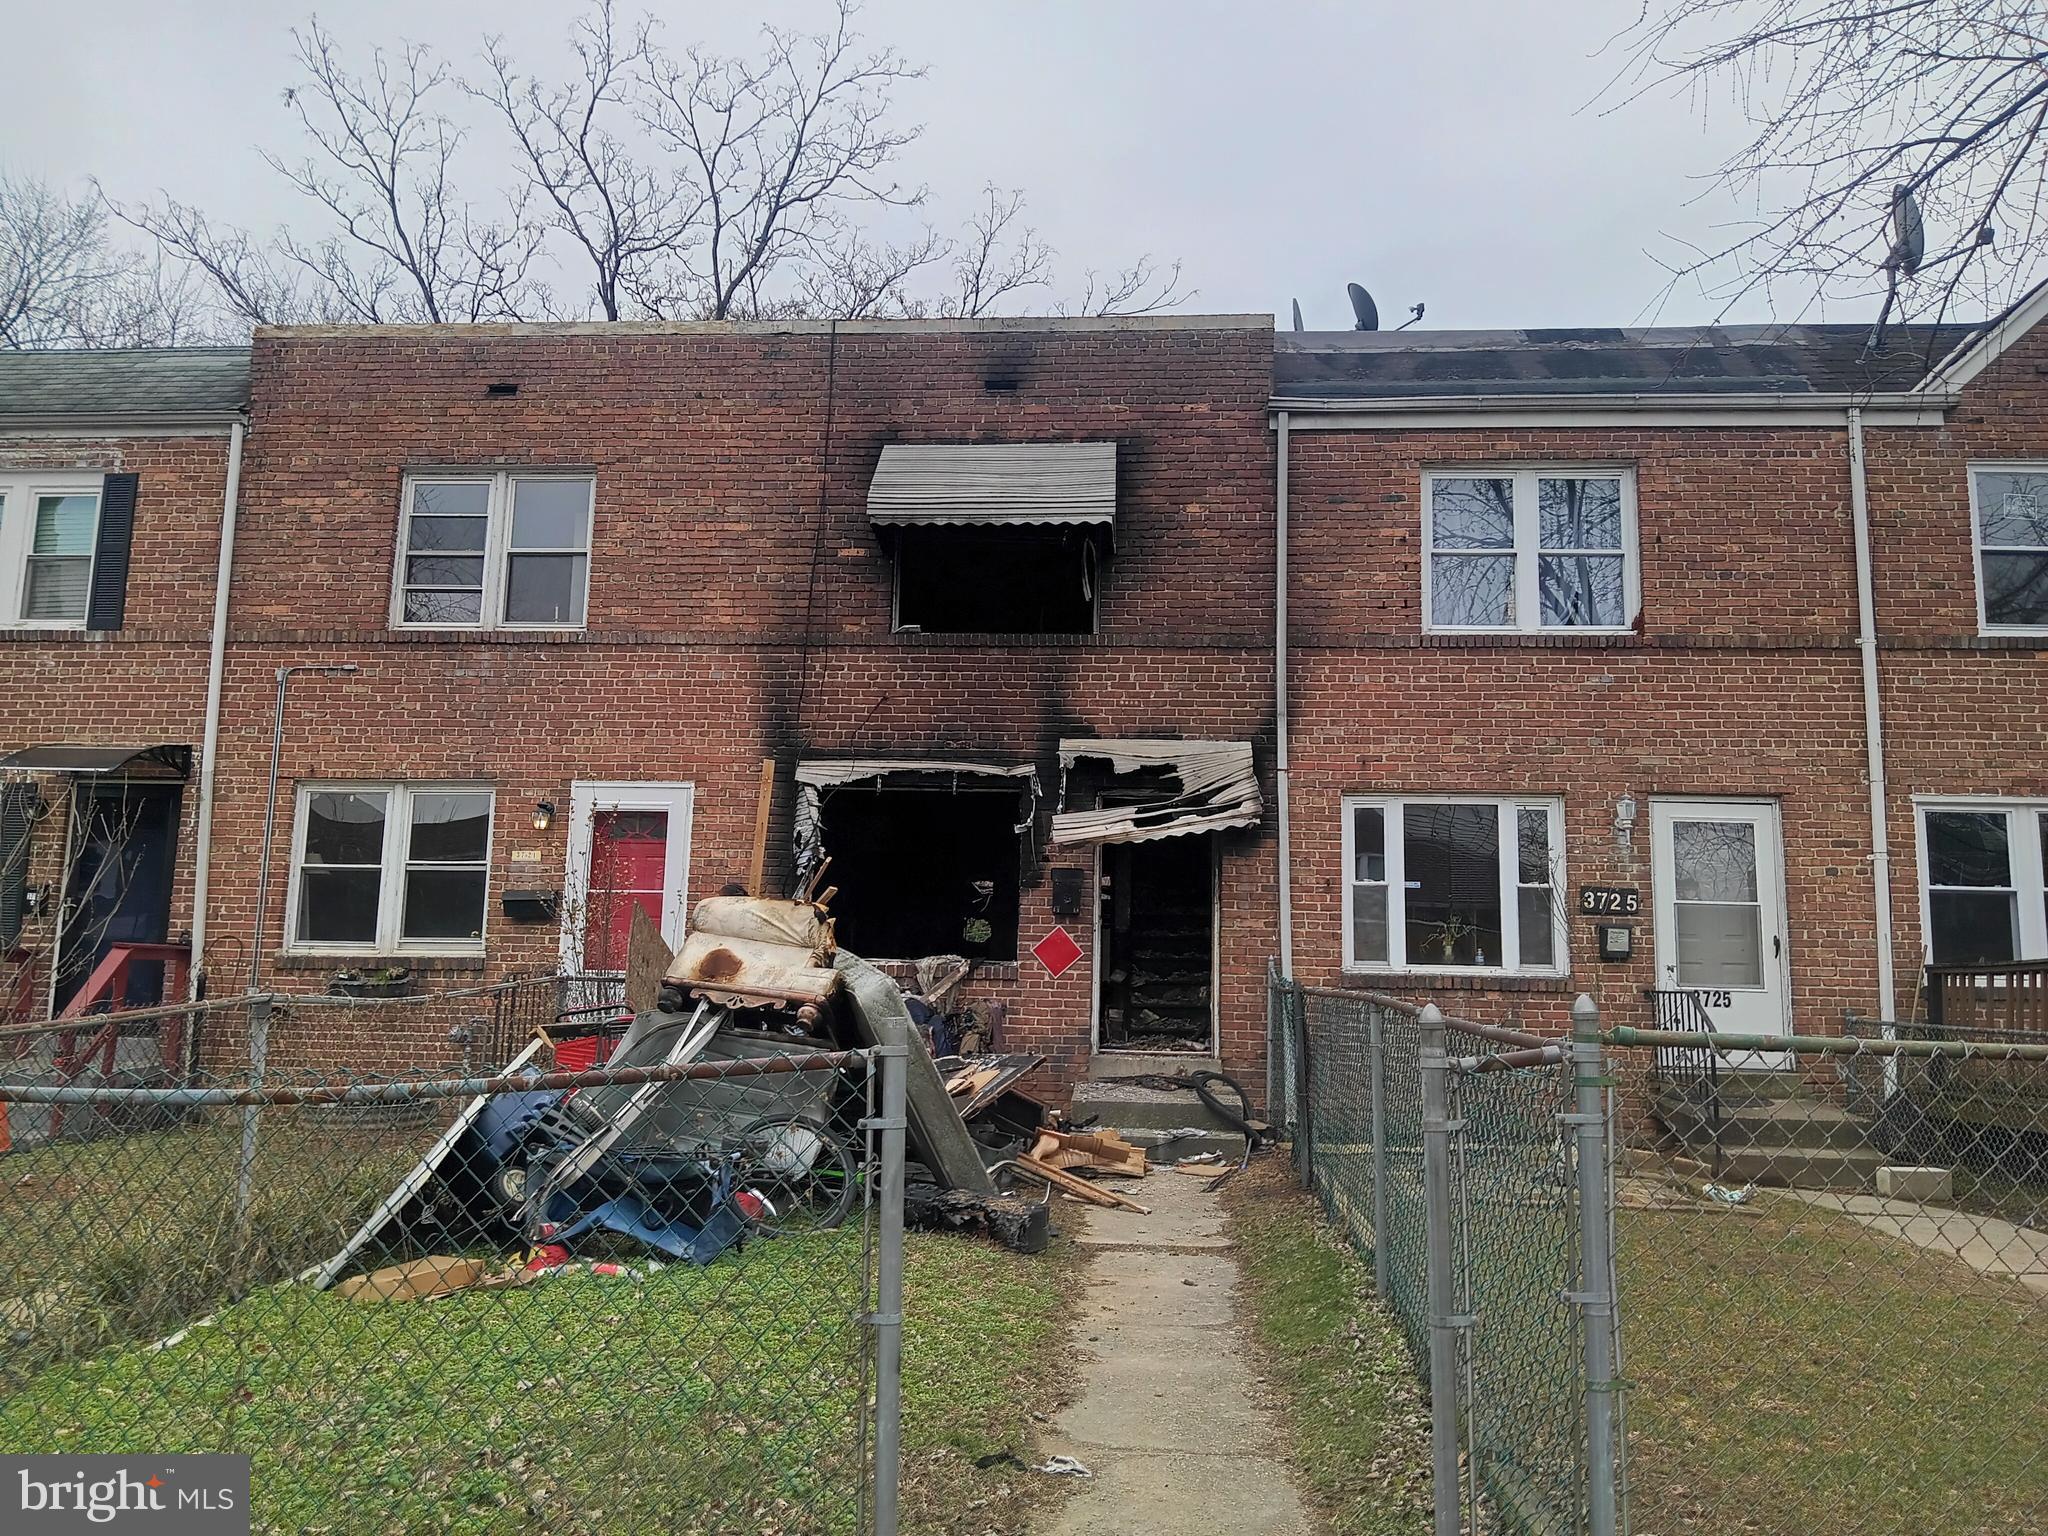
{"x": 1057, "y": 951}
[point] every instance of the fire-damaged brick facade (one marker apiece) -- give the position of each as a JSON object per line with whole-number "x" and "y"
{"x": 1454, "y": 784}
{"x": 740, "y": 601}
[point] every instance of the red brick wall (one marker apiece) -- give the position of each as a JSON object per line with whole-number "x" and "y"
{"x": 1741, "y": 682}
{"x": 727, "y": 620}
{"x": 141, "y": 685}
{"x": 1963, "y": 714}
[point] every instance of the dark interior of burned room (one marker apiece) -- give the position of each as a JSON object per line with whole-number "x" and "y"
{"x": 1025, "y": 581}
{"x": 924, "y": 871}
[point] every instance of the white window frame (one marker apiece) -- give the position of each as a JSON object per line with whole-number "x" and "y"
{"x": 18, "y": 494}
{"x": 1994, "y": 467}
{"x": 497, "y": 550}
{"x": 391, "y": 883}
{"x": 1527, "y": 549}
{"x": 1392, "y": 809}
{"x": 2025, "y": 867}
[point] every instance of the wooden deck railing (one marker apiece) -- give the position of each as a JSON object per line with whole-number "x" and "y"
{"x": 1996, "y": 999}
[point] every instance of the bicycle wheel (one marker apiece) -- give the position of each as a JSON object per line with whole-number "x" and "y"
{"x": 804, "y": 1177}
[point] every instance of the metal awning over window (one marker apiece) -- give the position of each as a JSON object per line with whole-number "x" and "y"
{"x": 993, "y": 484}
{"x": 102, "y": 762}
{"x": 1159, "y": 789}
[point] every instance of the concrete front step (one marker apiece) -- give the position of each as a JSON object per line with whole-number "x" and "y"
{"x": 1769, "y": 1126}
{"x": 1827, "y": 1168}
{"x": 1104, "y": 1065}
{"x": 1143, "y": 1108}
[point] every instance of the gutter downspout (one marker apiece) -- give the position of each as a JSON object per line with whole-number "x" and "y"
{"x": 215, "y": 676}
{"x": 1873, "y": 723}
{"x": 1280, "y": 702}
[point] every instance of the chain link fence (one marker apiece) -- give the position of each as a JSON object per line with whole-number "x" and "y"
{"x": 1834, "y": 1281}
{"x": 640, "y": 1275}
{"x": 1827, "y": 1260}
{"x": 1446, "y": 1149}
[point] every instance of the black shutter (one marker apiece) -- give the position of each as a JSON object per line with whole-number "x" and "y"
{"x": 17, "y": 808}
{"x": 108, "y": 604}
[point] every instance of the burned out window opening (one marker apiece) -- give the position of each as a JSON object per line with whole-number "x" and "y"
{"x": 927, "y": 857}
{"x": 979, "y": 581}
{"x": 995, "y": 538}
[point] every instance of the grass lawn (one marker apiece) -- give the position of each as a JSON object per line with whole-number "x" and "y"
{"x": 1348, "y": 1395}
{"x": 724, "y": 1399}
{"x": 1791, "y": 1368}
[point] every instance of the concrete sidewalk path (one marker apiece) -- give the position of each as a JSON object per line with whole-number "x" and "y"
{"x": 1166, "y": 1419}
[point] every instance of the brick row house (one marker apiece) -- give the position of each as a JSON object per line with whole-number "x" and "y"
{"x": 1593, "y": 643}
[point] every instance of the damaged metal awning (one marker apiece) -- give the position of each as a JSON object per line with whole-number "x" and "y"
{"x": 993, "y": 484}
{"x": 103, "y": 762}
{"x": 825, "y": 773}
{"x": 1176, "y": 787}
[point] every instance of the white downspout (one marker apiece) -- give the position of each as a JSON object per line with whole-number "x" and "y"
{"x": 1280, "y": 702}
{"x": 1873, "y": 722}
{"x": 216, "y": 669}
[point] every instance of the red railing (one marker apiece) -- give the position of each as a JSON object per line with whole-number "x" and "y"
{"x": 106, "y": 989}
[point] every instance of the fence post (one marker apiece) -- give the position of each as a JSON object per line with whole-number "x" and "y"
{"x": 245, "y": 1163}
{"x": 1304, "y": 1098}
{"x": 1382, "y": 1256}
{"x": 1596, "y": 1262}
{"x": 888, "y": 1317}
{"x": 1439, "y": 1233}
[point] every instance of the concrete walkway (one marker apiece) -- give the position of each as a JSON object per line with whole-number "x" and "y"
{"x": 1166, "y": 1419}
{"x": 1985, "y": 1243}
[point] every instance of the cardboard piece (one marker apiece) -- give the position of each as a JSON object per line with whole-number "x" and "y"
{"x": 648, "y": 958}
{"x": 419, "y": 1280}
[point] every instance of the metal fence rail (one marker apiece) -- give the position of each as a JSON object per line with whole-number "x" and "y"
{"x": 654, "y": 1298}
{"x": 1452, "y": 1152}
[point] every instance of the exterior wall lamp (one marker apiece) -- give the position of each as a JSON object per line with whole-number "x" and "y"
{"x": 1625, "y": 821}
{"x": 543, "y": 815}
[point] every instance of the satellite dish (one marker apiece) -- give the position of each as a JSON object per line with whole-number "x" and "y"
{"x": 1297, "y": 315}
{"x": 1909, "y": 236}
{"x": 1362, "y": 306}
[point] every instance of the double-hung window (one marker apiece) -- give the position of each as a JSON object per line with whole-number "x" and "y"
{"x": 1523, "y": 550}
{"x": 390, "y": 868}
{"x": 494, "y": 550}
{"x": 1455, "y": 883}
{"x": 1984, "y": 880}
{"x": 2009, "y": 505}
{"x": 49, "y": 525}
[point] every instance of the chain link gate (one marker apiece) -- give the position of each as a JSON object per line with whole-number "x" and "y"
{"x": 459, "y": 1300}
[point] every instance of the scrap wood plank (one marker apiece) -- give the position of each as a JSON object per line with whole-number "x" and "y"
{"x": 1104, "y": 1151}
{"x": 1080, "y": 1188}
{"x": 972, "y": 1081}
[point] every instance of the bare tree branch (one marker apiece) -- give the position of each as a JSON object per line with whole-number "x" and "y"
{"x": 1852, "y": 100}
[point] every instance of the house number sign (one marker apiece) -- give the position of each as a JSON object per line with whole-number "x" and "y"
{"x": 1610, "y": 900}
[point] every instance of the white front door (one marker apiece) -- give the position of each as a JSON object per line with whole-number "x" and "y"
{"x": 1719, "y": 882}
{"x": 629, "y": 848}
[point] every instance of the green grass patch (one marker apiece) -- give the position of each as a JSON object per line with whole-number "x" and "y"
{"x": 721, "y": 1399}
{"x": 1359, "y": 1431}
{"x": 1791, "y": 1366}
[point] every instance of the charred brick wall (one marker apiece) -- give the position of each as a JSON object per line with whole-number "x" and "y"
{"x": 739, "y": 601}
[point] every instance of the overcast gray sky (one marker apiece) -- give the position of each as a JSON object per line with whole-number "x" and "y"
{"x": 1443, "y": 152}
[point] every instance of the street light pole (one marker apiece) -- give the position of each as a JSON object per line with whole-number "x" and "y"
{"x": 284, "y": 676}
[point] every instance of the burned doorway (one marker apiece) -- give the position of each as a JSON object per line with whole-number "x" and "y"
{"x": 1157, "y": 943}
{"x": 924, "y": 858}
{"x": 117, "y": 886}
